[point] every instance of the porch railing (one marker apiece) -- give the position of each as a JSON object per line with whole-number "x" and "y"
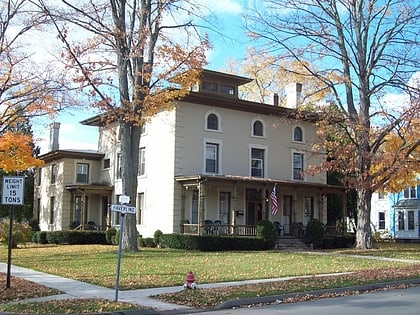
{"x": 219, "y": 229}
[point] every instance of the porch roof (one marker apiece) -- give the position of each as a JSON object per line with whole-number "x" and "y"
{"x": 192, "y": 180}
{"x": 408, "y": 204}
{"x": 90, "y": 187}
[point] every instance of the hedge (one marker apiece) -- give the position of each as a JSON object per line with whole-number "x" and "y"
{"x": 213, "y": 243}
{"x": 70, "y": 237}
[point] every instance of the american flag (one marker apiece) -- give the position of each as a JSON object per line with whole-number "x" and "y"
{"x": 274, "y": 203}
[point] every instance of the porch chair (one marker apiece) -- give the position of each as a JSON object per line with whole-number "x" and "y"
{"x": 217, "y": 227}
{"x": 278, "y": 228}
{"x": 208, "y": 227}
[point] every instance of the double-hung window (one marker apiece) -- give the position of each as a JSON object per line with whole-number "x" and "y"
{"x": 298, "y": 166}
{"x": 142, "y": 162}
{"x": 257, "y": 162}
{"x": 212, "y": 158}
{"x": 82, "y": 173}
{"x": 410, "y": 193}
{"x": 54, "y": 170}
{"x": 381, "y": 220}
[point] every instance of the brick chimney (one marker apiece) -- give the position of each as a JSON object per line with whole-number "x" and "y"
{"x": 293, "y": 94}
{"x": 54, "y": 134}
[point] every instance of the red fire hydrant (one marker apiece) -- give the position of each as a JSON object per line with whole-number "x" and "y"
{"x": 190, "y": 281}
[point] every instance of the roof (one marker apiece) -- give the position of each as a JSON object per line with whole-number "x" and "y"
{"x": 74, "y": 154}
{"x": 227, "y": 77}
{"x": 236, "y": 179}
{"x": 408, "y": 203}
{"x": 220, "y": 101}
{"x": 89, "y": 187}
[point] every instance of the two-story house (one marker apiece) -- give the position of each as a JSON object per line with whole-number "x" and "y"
{"x": 214, "y": 159}
{"x": 397, "y": 215}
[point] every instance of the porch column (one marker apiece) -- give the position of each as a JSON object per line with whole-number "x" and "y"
{"x": 233, "y": 216}
{"x": 201, "y": 206}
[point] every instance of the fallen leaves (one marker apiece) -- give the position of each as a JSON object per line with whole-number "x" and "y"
{"x": 22, "y": 289}
{"x": 211, "y": 297}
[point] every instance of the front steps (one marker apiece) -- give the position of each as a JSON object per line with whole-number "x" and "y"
{"x": 291, "y": 243}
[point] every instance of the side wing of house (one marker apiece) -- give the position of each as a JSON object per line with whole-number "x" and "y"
{"x": 68, "y": 193}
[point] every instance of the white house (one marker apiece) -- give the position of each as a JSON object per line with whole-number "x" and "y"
{"x": 208, "y": 165}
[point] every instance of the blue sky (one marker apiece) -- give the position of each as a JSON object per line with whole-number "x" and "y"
{"x": 73, "y": 135}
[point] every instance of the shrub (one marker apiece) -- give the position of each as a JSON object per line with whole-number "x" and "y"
{"x": 156, "y": 237}
{"x": 40, "y": 237}
{"x": 148, "y": 242}
{"x": 265, "y": 230}
{"x": 314, "y": 233}
{"x": 110, "y": 234}
{"x": 34, "y": 225}
{"x": 21, "y": 232}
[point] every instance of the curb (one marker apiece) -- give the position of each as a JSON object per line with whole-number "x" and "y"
{"x": 274, "y": 298}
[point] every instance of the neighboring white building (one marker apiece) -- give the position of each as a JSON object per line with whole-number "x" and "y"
{"x": 213, "y": 157}
{"x": 397, "y": 214}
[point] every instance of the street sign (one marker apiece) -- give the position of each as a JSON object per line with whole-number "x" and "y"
{"x": 13, "y": 189}
{"x": 124, "y": 199}
{"x": 123, "y": 209}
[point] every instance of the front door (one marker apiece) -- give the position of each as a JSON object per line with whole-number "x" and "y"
{"x": 254, "y": 209}
{"x": 287, "y": 213}
{"x": 253, "y": 213}
{"x": 224, "y": 207}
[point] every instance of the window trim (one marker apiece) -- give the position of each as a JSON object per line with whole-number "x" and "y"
{"x": 219, "y": 144}
{"x": 107, "y": 165}
{"x": 54, "y": 172}
{"x": 219, "y": 121}
{"x": 302, "y": 155}
{"x": 264, "y": 160}
{"x": 87, "y": 175}
{"x": 118, "y": 166}
{"x": 302, "y": 134}
{"x": 381, "y": 222}
{"x": 141, "y": 203}
{"x": 142, "y": 162}
{"x": 255, "y": 120}
{"x": 411, "y": 192}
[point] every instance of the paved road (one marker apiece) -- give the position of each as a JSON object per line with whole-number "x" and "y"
{"x": 392, "y": 302}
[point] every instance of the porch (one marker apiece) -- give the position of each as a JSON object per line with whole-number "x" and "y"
{"x": 209, "y": 227}
{"x": 233, "y": 205}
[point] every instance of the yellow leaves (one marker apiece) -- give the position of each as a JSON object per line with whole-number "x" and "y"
{"x": 272, "y": 74}
{"x": 16, "y": 152}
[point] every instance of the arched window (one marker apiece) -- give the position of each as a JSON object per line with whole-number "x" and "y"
{"x": 258, "y": 128}
{"x": 212, "y": 122}
{"x": 298, "y": 134}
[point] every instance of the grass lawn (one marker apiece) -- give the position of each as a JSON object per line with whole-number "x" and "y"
{"x": 152, "y": 267}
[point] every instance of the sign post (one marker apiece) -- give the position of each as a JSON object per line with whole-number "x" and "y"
{"x": 123, "y": 210}
{"x": 12, "y": 194}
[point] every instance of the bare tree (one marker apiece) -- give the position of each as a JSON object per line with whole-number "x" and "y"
{"x": 137, "y": 58}
{"x": 362, "y": 50}
{"x": 26, "y": 90}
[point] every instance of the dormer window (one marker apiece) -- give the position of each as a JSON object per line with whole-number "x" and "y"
{"x": 227, "y": 89}
{"x": 209, "y": 86}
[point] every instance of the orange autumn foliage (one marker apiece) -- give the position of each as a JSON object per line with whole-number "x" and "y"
{"x": 16, "y": 152}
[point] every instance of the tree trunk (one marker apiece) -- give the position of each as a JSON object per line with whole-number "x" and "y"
{"x": 363, "y": 231}
{"x": 130, "y": 139}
